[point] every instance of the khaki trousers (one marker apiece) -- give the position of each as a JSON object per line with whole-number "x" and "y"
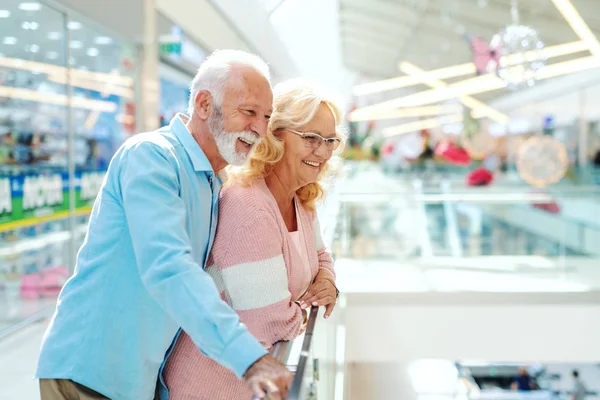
{"x": 66, "y": 389}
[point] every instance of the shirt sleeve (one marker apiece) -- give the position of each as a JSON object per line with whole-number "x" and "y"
{"x": 156, "y": 217}
{"x": 254, "y": 274}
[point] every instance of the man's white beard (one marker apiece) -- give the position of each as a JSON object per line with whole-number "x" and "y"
{"x": 226, "y": 141}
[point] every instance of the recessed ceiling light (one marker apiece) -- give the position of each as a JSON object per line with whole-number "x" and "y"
{"x": 103, "y": 40}
{"x": 34, "y": 48}
{"x": 30, "y": 6}
{"x": 54, "y": 35}
{"x": 30, "y": 25}
{"x": 93, "y": 52}
{"x": 4, "y": 13}
{"x": 76, "y": 44}
{"x": 74, "y": 25}
{"x": 72, "y": 61}
{"x": 10, "y": 40}
{"x": 52, "y": 55}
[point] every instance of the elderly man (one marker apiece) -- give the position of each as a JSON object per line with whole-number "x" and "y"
{"x": 139, "y": 275}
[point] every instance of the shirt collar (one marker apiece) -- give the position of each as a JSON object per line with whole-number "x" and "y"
{"x": 184, "y": 136}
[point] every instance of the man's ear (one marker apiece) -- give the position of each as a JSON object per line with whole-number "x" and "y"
{"x": 203, "y": 104}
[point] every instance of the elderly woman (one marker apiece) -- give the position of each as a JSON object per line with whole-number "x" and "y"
{"x": 268, "y": 259}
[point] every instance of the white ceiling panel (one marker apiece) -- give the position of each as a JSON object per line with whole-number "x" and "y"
{"x": 433, "y": 33}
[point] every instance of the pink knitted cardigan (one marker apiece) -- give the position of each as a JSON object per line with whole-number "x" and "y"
{"x": 259, "y": 272}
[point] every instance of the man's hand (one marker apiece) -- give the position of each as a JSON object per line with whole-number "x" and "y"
{"x": 268, "y": 377}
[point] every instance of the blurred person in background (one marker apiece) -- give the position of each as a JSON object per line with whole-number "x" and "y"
{"x": 139, "y": 276}
{"x": 268, "y": 259}
{"x": 579, "y": 389}
{"x": 597, "y": 159}
{"x": 523, "y": 381}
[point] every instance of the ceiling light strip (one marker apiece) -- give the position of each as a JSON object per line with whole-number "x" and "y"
{"x": 468, "y": 101}
{"x": 420, "y": 125}
{"x": 105, "y": 89}
{"x": 413, "y": 112}
{"x": 551, "y": 71}
{"x": 50, "y": 69}
{"x": 57, "y": 99}
{"x": 569, "y": 12}
{"x": 480, "y": 84}
{"x": 462, "y": 69}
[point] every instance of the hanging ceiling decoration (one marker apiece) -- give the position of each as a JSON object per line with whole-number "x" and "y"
{"x": 522, "y": 46}
{"x": 521, "y": 62}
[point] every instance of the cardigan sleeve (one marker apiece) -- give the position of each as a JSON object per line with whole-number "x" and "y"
{"x": 323, "y": 254}
{"x": 254, "y": 276}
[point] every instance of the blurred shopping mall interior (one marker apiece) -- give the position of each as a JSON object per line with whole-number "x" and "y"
{"x": 465, "y": 226}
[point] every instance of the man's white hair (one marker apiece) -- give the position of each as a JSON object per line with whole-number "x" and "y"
{"x": 215, "y": 71}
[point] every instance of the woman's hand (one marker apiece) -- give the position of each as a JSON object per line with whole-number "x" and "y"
{"x": 322, "y": 292}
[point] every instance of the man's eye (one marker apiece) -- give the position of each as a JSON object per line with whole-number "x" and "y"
{"x": 250, "y": 112}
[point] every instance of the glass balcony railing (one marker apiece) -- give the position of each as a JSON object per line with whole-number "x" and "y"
{"x": 485, "y": 233}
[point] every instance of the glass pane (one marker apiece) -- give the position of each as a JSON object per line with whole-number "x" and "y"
{"x": 103, "y": 113}
{"x": 41, "y": 51}
{"x": 33, "y": 160}
{"x": 174, "y": 93}
{"x": 503, "y": 237}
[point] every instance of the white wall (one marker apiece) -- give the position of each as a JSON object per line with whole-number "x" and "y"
{"x": 310, "y": 31}
{"x": 202, "y": 21}
{"x": 252, "y": 23}
{"x": 301, "y": 38}
{"x": 521, "y": 332}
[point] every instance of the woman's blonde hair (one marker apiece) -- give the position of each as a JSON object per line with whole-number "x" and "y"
{"x": 295, "y": 103}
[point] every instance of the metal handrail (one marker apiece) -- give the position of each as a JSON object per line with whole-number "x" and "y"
{"x": 281, "y": 351}
{"x": 296, "y": 388}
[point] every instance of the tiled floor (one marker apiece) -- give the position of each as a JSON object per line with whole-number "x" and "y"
{"x": 18, "y": 359}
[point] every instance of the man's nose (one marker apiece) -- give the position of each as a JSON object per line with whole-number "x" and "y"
{"x": 260, "y": 126}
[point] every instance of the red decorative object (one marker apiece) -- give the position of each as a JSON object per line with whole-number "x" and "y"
{"x": 552, "y": 207}
{"x": 387, "y": 149}
{"x": 479, "y": 177}
{"x": 452, "y": 154}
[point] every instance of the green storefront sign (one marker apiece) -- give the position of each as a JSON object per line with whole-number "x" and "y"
{"x": 31, "y": 198}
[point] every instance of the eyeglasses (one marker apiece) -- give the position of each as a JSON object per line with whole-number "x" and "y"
{"x": 314, "y": 140}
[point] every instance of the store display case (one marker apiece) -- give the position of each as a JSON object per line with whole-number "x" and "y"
{"x": 67, "y": 102}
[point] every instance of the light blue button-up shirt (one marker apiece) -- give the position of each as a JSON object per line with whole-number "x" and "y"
{"x": 139, "y": 275}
